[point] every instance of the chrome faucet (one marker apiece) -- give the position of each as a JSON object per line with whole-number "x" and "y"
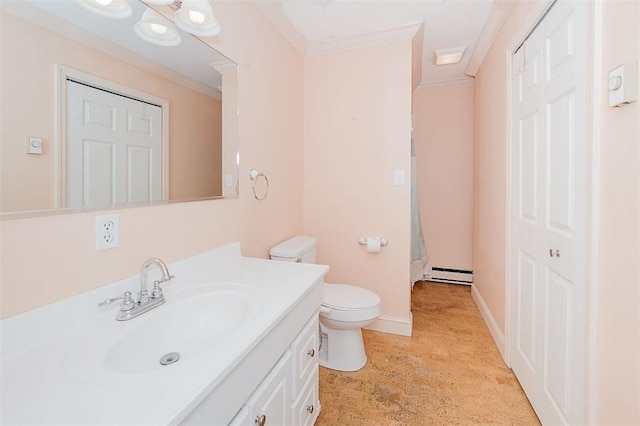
{"x": 130, "y": 309}
{"x": 143, "y": 296}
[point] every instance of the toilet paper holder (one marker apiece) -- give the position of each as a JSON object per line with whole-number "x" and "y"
{"x": 363, "y": 241}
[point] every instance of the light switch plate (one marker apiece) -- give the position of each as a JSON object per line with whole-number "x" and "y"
{"x": 623, "y": 85}
{"x": 35, "y": 145}
{"x": 398, "y": 178}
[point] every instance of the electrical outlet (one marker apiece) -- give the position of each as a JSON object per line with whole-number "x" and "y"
{"x": 106, "y": 232}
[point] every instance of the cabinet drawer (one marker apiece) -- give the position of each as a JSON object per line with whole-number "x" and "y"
{"x": 305, "y": 354}
{"x": 271, "y": 401}
{"x": 307, "y": 407}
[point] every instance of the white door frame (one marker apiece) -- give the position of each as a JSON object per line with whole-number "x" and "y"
{"x": 593, "y": 186}
{"x": 62, "y": 74}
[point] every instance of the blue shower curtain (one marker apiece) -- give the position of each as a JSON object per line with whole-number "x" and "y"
{"x": 420, "y": 265}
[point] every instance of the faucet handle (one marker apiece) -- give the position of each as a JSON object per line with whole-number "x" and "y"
{"x": 157, "y": 290}
{"x": 126, "y": 305}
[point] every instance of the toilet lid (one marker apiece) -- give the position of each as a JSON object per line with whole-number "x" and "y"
{"x": 346, "y": 297}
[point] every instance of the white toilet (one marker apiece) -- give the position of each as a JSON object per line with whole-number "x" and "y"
{"x": 344, "y": 311}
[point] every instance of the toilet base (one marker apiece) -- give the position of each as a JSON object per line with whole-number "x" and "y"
{"x": 342, "y": 350}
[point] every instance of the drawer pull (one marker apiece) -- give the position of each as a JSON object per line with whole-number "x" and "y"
{"x": 310, "y": 409}
{"x": 311, "y": 353}
{"x": 261, "y": 420}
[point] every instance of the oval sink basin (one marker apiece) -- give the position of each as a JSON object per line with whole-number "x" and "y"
{"x": 191, "y": 322}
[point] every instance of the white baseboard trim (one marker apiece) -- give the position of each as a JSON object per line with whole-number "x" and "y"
{"x": 494, "y": 329}
{"x": 394, "y": 325}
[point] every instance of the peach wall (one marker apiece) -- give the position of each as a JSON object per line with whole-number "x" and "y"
{"x": 46, "y": 259}
{"x": 28, "y": 97}
{"x": 618, "y": 308}
{"x": 443, "y": 121}
{"x": 357, "y": 132}
{"x": 490, "y": 168}
{"x": 617, "y": 303}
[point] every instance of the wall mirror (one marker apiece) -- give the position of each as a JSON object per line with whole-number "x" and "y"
{"x": 95, "y": 116}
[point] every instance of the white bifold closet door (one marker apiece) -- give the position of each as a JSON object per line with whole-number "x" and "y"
{"x": 549, "y": 214}
{"x": 113, "y": 150}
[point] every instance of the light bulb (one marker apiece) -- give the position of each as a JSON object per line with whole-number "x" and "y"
{"x": 158, "y": 29}
{"x": 104, "y": 2}
{"x": 155, "y": 28}
{"x": 196, "y": 17}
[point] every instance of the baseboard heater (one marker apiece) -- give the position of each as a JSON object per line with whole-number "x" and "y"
{"x": 451, "y": 275}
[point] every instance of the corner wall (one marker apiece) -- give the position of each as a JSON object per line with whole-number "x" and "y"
{"x": 443, "y": 121}
{"x": 357, "y": 133}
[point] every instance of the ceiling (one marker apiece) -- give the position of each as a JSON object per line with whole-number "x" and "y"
{"x": 322, "y": 26}
{"x": 311, "y": 24}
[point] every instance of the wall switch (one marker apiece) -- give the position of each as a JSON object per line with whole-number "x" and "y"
{"x": 228, "y": 181}
{"x": 35, "y": 146}
{"x": 106, "y": 232}
{"x": 398, "y": 178}
{"x": 623, "y": 84}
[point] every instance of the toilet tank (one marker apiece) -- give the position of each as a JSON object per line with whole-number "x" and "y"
{"x": 297, "y": 249}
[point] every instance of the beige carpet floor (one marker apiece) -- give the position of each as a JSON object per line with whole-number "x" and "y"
{"x": 449, "y": 372}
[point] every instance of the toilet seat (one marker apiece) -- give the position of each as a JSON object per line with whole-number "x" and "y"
{"x": 349, "y": 303}
{"x": 348, "y": 297}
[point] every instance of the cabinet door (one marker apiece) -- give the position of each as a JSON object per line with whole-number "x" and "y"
{"x": 269, "y": 404}
{"x": 306, "y": 409}
{"x": 305, "y": 355}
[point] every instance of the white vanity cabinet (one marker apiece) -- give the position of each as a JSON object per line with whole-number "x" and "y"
{"x": 266, "y": 365}
{"x": 289, "y": 393}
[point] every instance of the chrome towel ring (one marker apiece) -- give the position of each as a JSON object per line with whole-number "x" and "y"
{"x": 254, "y": 175}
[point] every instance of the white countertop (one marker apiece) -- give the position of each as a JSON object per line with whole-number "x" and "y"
{"x": 39, "y": 345}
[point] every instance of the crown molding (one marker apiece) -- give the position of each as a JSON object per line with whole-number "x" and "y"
{"x": 342, "y": 44}
{"x": 497, "y": 16}
{"x": 224, "y": 67}
{"x": 273, "y": 12}
{"x": 454, "y": 82}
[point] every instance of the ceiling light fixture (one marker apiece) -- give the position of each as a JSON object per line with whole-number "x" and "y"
{"x": 117, "y": 9}
{"x": 449, "y": 56}
{"x": 155, "y": 28}
{"x": 196, "y": 17}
